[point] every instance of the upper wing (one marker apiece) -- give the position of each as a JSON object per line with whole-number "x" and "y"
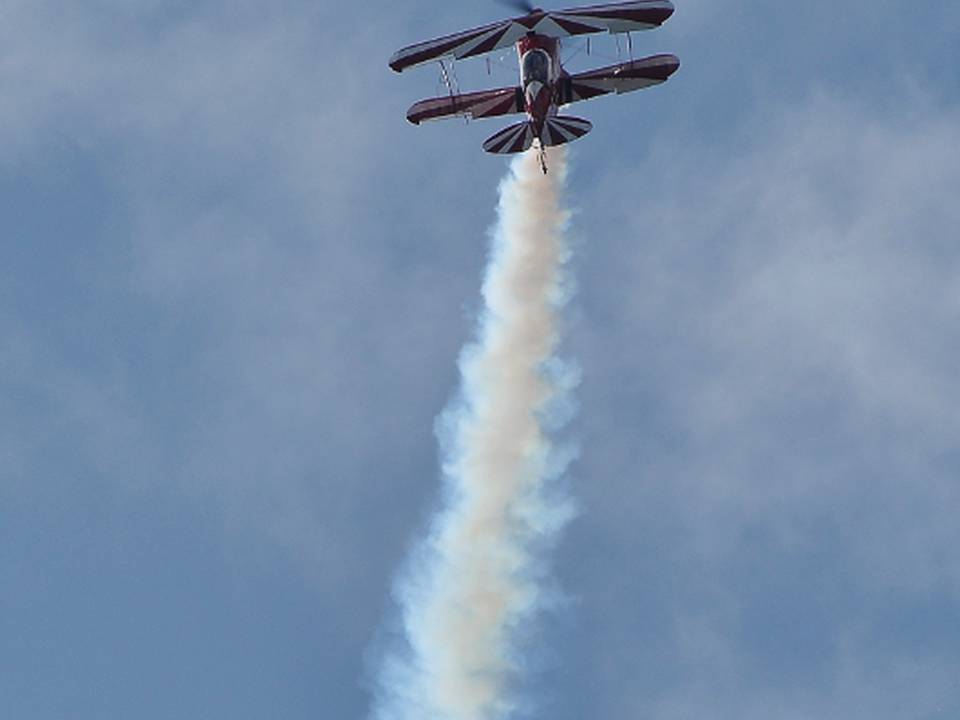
{"x": 459, "y": 45}
{"x": 487, "y": 103}
{"x": 614, "y": 18}
{"x": 625, "y": 77}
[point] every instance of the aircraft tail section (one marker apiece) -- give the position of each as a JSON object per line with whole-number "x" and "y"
{"x": 561, "y": 129}
{"x": 513, "y": 139}
{"x": 557, "y": 130}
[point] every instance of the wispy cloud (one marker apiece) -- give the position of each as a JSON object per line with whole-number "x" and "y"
{"x": 781, "y": 354}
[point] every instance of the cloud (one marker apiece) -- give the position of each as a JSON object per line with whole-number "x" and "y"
{"x": 766, "y": 324}
{"x": 266, "y": 334}
{"x": 64, "y": 427}
{"x": 775, "y": 340}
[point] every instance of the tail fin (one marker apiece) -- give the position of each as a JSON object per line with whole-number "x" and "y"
{"x": 513, "y": 139}
{"x": 561, "y": 129}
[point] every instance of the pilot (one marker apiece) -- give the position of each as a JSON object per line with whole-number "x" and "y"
{"x": 535, "y": 67}
{"x": 535, "y": 72}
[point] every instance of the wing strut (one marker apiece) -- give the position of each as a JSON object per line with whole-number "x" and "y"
{"x": 449, "y": 79}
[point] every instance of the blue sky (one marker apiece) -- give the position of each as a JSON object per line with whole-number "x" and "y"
{"x": 234, "y": 283}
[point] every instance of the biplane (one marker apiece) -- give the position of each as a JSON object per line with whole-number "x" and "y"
{"x": 545, "y": 87}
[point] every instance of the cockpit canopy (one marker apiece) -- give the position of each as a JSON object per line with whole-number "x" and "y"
{"x": 535, "y": 66}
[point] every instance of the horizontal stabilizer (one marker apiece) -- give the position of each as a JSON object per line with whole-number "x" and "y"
{"x": 560, "y": 129}
{"x": 513, "y": 139}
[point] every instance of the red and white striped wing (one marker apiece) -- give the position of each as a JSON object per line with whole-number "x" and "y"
{"x": 561, "y": 129}
{"x": 459, "y": 45}
{"x": 513, "y": 139}
{"x": 626, "y": 77}
{"x": 487, "y": 103}
{"x": 613, "y": 17}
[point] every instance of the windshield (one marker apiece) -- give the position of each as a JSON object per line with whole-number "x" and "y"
{"x": 536, "y": 66}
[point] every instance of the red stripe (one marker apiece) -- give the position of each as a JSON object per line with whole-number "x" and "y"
{"x": 585, "y": 92}
{"x": 575, "y": 28}
{"x": 647, "y": 16}
{"x": 488, "y": 44}
{"x": 444, "y": 46}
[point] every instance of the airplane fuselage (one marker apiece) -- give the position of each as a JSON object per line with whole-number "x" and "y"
{"x": 545, "y": 86}
{"x": 540, "y": 75}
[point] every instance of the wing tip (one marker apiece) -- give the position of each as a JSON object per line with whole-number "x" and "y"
{"x": 667, "y": 10}
{"x": 670, "y": 62}
{"x": 400, "y": 60}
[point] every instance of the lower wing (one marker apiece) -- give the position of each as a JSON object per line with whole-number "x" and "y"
{"x": 487, "y": 103}
{"x": 625, "y": 77}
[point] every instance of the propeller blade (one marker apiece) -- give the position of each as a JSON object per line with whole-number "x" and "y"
{"x": 523, "y": 5}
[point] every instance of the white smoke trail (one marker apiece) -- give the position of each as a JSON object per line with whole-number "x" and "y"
{"x": 477, "y": 580}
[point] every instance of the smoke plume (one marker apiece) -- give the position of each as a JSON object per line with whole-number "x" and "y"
{"x": 476, "y": 582}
